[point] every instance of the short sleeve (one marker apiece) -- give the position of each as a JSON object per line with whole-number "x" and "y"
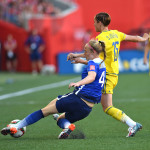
{"x": 91, "y": 66}
{"x": 121, "y": 36}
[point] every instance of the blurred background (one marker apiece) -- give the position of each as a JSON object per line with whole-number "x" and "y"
{"x": 65, "y": 26}
{"x": 50, "y": 29}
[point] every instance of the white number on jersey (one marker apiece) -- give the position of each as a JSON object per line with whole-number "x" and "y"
{"x": 102, "y": 78}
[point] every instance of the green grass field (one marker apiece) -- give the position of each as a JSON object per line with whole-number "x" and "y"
{"x": 102, "y": 132}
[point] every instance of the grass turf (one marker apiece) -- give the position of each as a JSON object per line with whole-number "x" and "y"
{"x": 132, "y": 95}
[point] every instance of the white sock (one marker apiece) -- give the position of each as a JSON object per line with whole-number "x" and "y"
{"x": 67, "y": 124}
{"x": 129, "y": 121}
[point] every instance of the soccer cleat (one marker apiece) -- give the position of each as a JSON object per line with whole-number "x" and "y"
{"x": 55, "y": 116}
{"x": 66, "y": 132}
{"x": 8, "y": 130}
{"x": 134, "y": 129}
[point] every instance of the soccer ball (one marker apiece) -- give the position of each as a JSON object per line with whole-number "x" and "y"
{"x": 20, "y": 132}
{"x": 48, "y": 69}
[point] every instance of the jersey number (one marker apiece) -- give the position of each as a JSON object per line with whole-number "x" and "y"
{"x": 116, "y": 52}
{"x": 102, "y": 78}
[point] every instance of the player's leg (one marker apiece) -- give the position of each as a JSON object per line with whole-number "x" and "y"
{"x": 62, "y": 122}
{"x": 40, "y": 65}
{"x": 8, "y": 65}
{"x": 116, "y": 113}
{"x": 75, "y": 110}
{"x": 65, "y": 124}
{"x": 33, "y": 64}
{"x": 14, "y": 64}
{"x": 39, "y": 61}
{"x": 64, "y": 105}
{"x": 32, "y": 118}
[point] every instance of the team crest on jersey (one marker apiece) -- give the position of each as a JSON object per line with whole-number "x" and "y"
{"x": 92, "y": 67}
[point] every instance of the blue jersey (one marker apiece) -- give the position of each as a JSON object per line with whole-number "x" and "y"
{"x": 92, "y": 92}
{"x": 34, "y": 42}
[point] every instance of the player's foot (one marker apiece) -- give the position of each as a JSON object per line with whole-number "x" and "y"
{"x": 55, "y": 116}
{"x": 66, "y": 132}
{"x": 134, "y": 129}
{"x": 8, "y": 130}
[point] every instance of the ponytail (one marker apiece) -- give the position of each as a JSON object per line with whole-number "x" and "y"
{"x": 103, "y": 49}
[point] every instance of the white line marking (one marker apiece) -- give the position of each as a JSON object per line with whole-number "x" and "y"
{"x": 132, "y": 100}
{"x": 39, "y": 88}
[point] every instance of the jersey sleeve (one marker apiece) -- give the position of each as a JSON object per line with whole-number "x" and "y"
{"x": 121, "y": 36}
{"x": 91, "y": 66}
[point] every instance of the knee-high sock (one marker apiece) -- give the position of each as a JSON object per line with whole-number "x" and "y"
{"x": 30, "y": 119}
{"x": 63, "y": 123}
{"x": 120, "y": 115}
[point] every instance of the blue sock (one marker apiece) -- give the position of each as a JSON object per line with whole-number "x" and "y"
{"x": 63, "y": 123}
{"x": 30, "y": 119}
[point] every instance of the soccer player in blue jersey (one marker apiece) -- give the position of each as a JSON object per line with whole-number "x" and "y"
{"x": 78, "y": 104}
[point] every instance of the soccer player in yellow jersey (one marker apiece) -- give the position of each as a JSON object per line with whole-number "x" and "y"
{"x": 112, "y": 40}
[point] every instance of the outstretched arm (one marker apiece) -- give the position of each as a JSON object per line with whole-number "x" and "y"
{"x": 79, "y": 60}
{"x": 132, "y": 38}
{"x": 89, "y": 79}
{"x": 74, "y": 55}
{"x": 75, "y": 58}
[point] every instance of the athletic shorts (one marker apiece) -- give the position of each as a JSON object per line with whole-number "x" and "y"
{"x": 10, "y": 56}
{"x": 110, "y": 83}
{"x": 35, "y": 56}
{"x": 75, "y": 109}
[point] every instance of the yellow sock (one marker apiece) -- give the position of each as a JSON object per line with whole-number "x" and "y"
{"x": 116, "y": 113}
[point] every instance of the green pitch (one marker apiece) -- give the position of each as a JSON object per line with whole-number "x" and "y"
{"x": 101, "y": 132}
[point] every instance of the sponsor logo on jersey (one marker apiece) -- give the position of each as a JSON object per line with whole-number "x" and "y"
{"x": 92, "y": 67}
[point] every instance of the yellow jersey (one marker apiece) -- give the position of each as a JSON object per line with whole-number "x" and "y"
{"x": 112, "y": 40}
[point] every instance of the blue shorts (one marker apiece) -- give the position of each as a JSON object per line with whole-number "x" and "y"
{"x": 35, "y": 56}
{"x": 75, "y": 109}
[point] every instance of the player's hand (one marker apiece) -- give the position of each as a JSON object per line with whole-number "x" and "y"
{"x": 71, "y": 56}
{"x": 76, "y": 60}
{"x": 146, "y": 36}
{"x": 73, "y": 85}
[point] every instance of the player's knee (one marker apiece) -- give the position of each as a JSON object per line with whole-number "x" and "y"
{"x": 45, "y": 112}
{"x": 105, "y": 107}
{"x": 62, "y": 116}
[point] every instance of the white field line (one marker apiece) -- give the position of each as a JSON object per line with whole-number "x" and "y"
{"x": 39, "y": 88}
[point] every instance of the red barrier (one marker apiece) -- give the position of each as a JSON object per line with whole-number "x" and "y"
{"x": 20, "y": 35}
{"x": 125, "y": 14}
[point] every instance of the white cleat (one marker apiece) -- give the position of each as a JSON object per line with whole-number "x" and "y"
{"x": 55, "y": 116}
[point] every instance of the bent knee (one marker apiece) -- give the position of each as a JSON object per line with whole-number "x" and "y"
{"x": 45, "y": 112}
{"x": 62, "y": 116}
{"x": 105, "y": 107}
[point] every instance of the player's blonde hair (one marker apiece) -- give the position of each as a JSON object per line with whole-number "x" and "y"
{"x": 98, "y": 46}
